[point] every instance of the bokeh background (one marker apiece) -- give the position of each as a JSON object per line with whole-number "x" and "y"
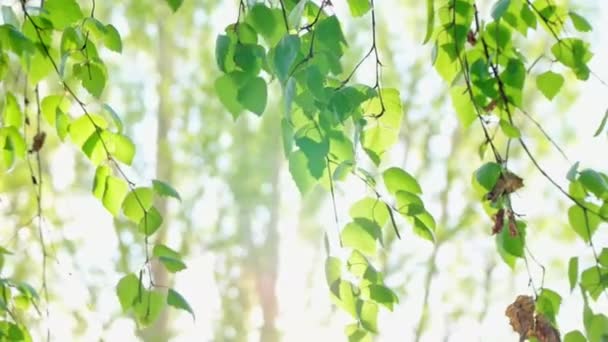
{"x": 253, "y": 245}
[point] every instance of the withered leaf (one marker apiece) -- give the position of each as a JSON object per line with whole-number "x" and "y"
{"x": 499, "y": 222}
{"x": 38, "y": 142}
{"x": 545, "y": 332}
{"x": 521, "y": 315}
{"x": 507, "y": 183}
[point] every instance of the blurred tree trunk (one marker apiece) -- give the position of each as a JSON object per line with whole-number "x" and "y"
{"x": 269, "y": 254}
{"x": 159, "y": 331}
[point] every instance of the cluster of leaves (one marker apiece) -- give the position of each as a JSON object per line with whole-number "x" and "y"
{"x": 487, "y": 74}
{"x": 60, "y": 41}
{"x": 327, "y": 121}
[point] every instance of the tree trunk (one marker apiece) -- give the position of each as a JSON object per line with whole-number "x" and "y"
{"x": 159, "y": 331}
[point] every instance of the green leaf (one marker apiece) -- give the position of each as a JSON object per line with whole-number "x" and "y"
{"x": 430, "y": 20}
{"x": 598, "y": 328}
{"x": 94, "y": 148}
{"x": 509, "y": 130}
{"x": 397, "y": 179}
{"x": 573, "y": 53}
{"x": 99, "y": 183}
{"x": 583, "y": 222}
{"x": 513, "y": 245}
{"x": 603, "y": 257}
{"x": 164, "y": 189}
{"x": 137, "y": 202}
{"x": 115, "y": 191}
{"x": 50, "y": 104}
{"x": 361, "y": 234}
{"x": 593, "y": 182}
{"x": 381, "y": 295}
{"x": 127, "y": 290}
{"x": 285, "y": 55}
{"x": 298, "y": 168}
{"x": 575, "y": 336}
{"x": 594, "y": 281}
{"x": 287, "y": 136}
{"x": 333, "y": 270}
{"x": 123, "y": 148}
{"x": 62, "y": 124}
{"x": 252, "y": 95}
{"x": 382, "y": 130}
{"x": 168, "y": 257}
{"x": 500, "y": 8}
{"x": 12, "y": 115}
{"x": 115, "y": 117}
{"x": 150, "y": 223}
{"x": 267, "y": 22}
{"x": 463, "y": 105}
{"x": 487, "y": 175}
{"x": 63, "y": 13}
{"x": 174, "y": 4}
{"x": 409, "y": 204}
{"x": 315, "y": 149}
{"x": 356, "y": 334}
{"x": 176, "y": 300}
{"x": 371, "y": 209}
{"x": 357, "y": 264}
{"x": 82, "y": 128}
{"x": 112, "y": 38}
{"x": 602, "y": 124}
{"x": 573, "y": 272}
{"x": 148, "y": 306}
{"x": 572, "y": 172}
{"x": 580, "y": 24}
{"x": 226, "y": 88}
{"x": 548, "y": 304}
{"x": 358, "y": 8}
{"x": 344, "y": 295}
{"x": 93, "y": 76}
{"x": 549, "y": 83}
{"x": 368, "y": 315}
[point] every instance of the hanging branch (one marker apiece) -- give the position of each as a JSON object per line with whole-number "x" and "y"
{"x": 98, "y": 131}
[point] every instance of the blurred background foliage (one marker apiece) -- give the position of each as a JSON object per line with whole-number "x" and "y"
{"x": 254, "y": 247}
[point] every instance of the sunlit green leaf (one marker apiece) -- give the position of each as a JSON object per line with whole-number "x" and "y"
{"x": 548, "y": 303}
{"x": 50, "y": 104}
{"x": 93, "y": 76}
{"x": 168, "y": 257}
{"x": 361, "y": 234}
{"x": 176, "y": 300}
{"x": 381, "y": 295}
{"x": 148, "y": 306}
{"x": 174, "y": 4}
{"x": 298, "y": 168}
{"x": 151, "y": 221}
{"x": 115, "y": 191}
{"x": 252, "y": 95}
{"x": 83, "y": 127}
{"x": 368, "y": 315}
{"x": 99, "y": 183}
{"x": 487, "y": 175}
{"x": 164, "y": 189}
{"x": 574, "y": 336}
{"x": 371, "y": 209}
{"x": 593, "y": 182}
{"x": 573, "y": 272}
{"x": 499, "y": 8}
{"x": 127, "y": 290}
{"x": 357, "y": 334}
{"x": 549, "y": 83}
{"x": 594, "y": 280}
{"x": 583, "y": 221}
{"x": 112, "y": 39}
{"x": 137, "y": 202}
{"x": 358, "y": 7}
{"x": 12, "y": 115}
{"x": 463, "y": 105}
{"x": 63, "y": 13}
{"x": 580, "y": 24}
{"x": 430, "y": 20}
{"x": 397, "y": 179}
{"x": 333, "y": 270}
{"x": 285, "y": 55}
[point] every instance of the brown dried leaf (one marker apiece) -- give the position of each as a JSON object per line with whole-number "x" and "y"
{"x": 38, "y": 142}
{"x": 512, "y": 223}
{"x": 545, "y": 332}
{"x": 499, "y": 221}
{"x": 521, "y": 315}
{"x": 506, "y": 184}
